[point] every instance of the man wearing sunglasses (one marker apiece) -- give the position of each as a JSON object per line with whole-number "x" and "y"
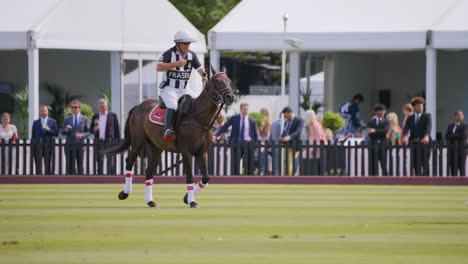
{"x": 76, "y": 129}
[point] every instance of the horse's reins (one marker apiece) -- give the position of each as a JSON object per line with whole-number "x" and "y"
{"x": 214, "y": 100}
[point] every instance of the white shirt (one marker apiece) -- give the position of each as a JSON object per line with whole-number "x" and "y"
{"x": 77, "y": 120}
{"x": 43, "y": 121}
{"x": 417, "y": 118}
{"x": 102, "y": 125}
{"x": 455, "y": 127}
{"x": 246, "y": 127}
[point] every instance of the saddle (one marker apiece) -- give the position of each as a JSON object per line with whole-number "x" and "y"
{"x": 184, "y": 109}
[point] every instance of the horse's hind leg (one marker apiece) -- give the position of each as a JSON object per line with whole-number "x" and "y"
{"x": 129, "y": 161}
{"x": 154, "y": 160}
{"x": 202, "y": 163}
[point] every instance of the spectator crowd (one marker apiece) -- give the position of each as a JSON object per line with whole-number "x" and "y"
{"x": 104, "y": 127}
{"x": 380, "y": 132}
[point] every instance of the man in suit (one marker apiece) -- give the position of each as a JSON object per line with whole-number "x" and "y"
{"x": 418, "y": 126}
{"x": 106, "y": 130}
{"x": 244, "y": 130}
{"x": 377, "y": 129}
{"x": 291, "y": 135}
{"x": 76, "y": 129}
{"x": 456, "y": 136}
{"x": 43, "y": 132}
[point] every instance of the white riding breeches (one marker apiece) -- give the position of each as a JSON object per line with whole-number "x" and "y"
{"x": 171, "y": 96}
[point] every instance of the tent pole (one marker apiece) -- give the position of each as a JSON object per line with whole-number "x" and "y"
{"x": 140, "y": 80}
{"x": 33, "y": 85}
{"x": 214, "y": 59}
{"x": 307, "y": 74}
{"x": 294, "y": 73}
{"x": 328, "y": 91}
{"x": 116, "y": 69}
{"x": 431, "y": 86}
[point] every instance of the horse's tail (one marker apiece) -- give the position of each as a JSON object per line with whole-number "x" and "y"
{"x": 127, "y": 139}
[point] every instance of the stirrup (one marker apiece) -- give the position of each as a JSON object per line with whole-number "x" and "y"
{"x": 169, "y": 135}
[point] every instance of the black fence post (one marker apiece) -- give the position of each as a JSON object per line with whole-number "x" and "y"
{"x": 2, "y": 158}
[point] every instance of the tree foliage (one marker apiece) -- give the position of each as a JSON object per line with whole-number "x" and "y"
{"x": 204, "y": 14}
{"x": 259, "y": 120}
{"x": 86, "y": 110}
{"x": 61, "y": 98}
{"x": 22, "y": 98}
{"x": 333, "y": 121}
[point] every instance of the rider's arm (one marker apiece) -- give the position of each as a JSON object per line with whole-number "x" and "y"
{"x": 164, "y": 66}
{"x": 164, "y": 63}
{"x": 198, "y": 67}
{"x": 203, "y": 73}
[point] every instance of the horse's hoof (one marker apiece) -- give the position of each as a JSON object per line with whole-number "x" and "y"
{"x": 185, "y": 199}
{"x": 194, "y": 205}
{"x": 122, "y": 195}
{"x": 151, "y": 204}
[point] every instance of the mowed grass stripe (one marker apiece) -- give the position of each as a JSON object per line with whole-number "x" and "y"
{"x": 236, "y": 224}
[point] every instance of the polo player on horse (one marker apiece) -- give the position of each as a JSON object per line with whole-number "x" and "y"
{"x": 177, "y": 62}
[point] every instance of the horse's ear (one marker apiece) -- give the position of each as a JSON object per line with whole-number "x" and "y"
{"x": 223, "y": 69}
{"x": 213, "y": 70}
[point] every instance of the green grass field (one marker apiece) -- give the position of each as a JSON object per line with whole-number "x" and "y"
{"x": 235, "y": 224}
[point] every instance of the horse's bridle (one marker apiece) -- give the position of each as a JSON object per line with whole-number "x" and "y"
{"x": 216, "y": 100}
{"x": 219, "y": 99}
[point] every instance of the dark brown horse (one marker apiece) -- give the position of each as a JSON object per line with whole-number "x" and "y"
{"x": 194, "y": 137}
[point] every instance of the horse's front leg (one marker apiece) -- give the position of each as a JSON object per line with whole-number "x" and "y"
{"x": 187, "y": 160}
{"x": 202, "y": 163}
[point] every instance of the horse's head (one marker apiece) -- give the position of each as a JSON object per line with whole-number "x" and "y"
{"x": 221, "y": 83}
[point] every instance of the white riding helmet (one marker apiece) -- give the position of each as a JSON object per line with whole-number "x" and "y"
{"x": 183, "y": 37}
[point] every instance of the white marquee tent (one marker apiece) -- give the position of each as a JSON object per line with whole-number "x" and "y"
{"x": 134, "y": 28}
{"x": 316, "y": 82}
{"x": 342, "y": 25}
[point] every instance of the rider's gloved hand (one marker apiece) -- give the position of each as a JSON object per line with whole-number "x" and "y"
{"x": 181, "y": 63}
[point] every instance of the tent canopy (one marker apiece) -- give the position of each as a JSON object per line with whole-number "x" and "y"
{"x": 316, "y": 83}
{"x": 340, "y": 25}
{"x": 111, "y": 25}
{"x": 452, "y": 31}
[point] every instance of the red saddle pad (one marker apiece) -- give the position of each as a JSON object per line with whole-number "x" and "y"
{"x": 157, "y": 115}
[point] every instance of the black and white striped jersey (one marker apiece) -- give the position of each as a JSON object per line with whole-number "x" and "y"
{"x": 178, "y": 77}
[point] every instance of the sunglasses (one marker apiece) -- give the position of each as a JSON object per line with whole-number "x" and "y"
{"x": 75, "y": 107}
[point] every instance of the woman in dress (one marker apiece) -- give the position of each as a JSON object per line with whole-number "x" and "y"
{"x": 7, "y": 132}
{"x": 394, "y": 131}
{"x": 264, "y": 133}
{"x": 219, "y": 122}
{"x": 315, "y": 134}
{"x": 314, "y": 127}
{"x": 266, "y": 129}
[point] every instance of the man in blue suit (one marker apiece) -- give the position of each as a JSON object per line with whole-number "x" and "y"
{"x": 291, "y": 135}
{"x": 244, "y": 130}
{"x": 43, "y": 132}
{"x": 76, "y": 128}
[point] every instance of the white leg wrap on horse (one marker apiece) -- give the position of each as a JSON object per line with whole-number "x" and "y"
{"x": 198, "y": 187}
{"x": 128, "y": 182}
{"x": 149, "y": 190}
{"x": 190, "y": 194}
